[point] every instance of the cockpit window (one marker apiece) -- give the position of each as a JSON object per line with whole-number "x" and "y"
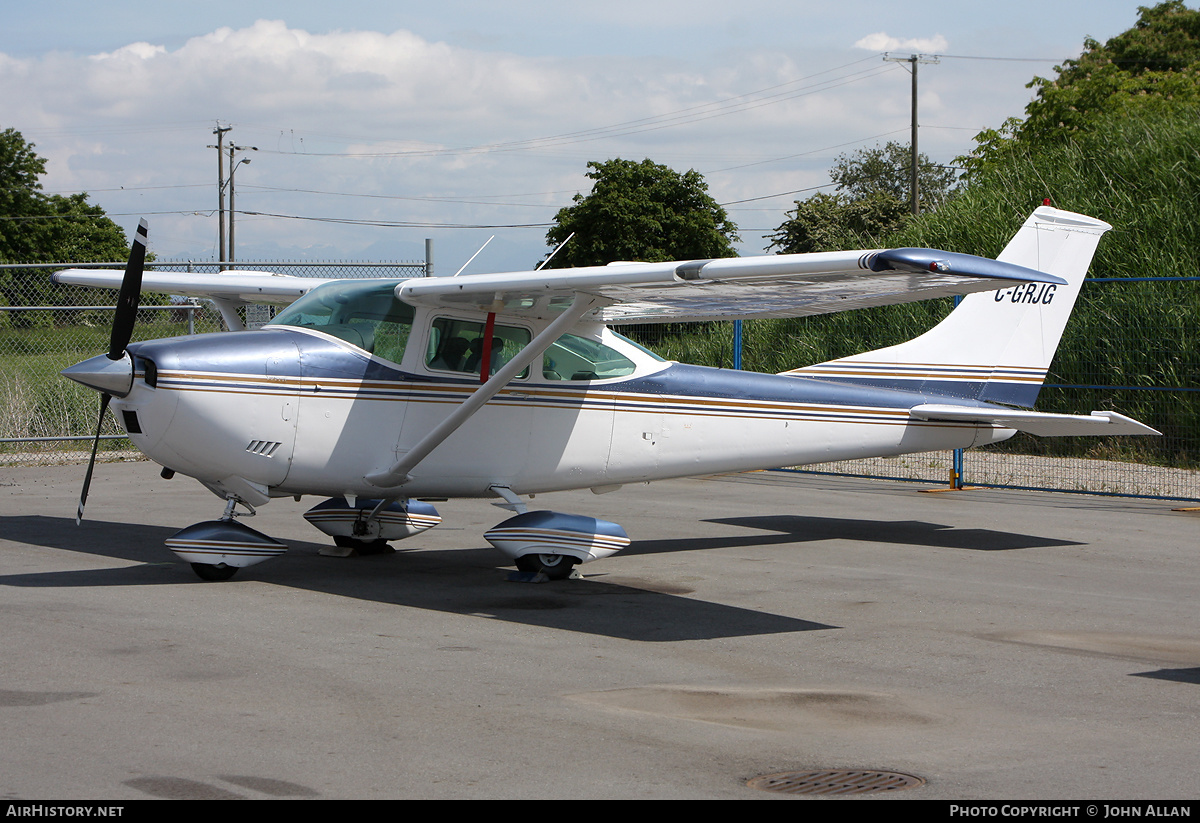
{"x": 639, "y": 347}
{"x": 580, "y": 358}
{"x": 364, "y": 313}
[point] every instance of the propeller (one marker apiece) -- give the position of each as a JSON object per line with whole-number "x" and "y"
{"x": 122, "y": 331}
{"x": 131, "y": 293}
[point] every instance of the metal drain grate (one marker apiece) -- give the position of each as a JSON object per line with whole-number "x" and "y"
{"x": 835, "y": 781}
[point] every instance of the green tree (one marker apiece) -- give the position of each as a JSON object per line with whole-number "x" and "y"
{"x": 827, "y": 222}
{"x": 1149, "y": 70}
{"x": 20, "y": 167}
{"x": 871, "y": 200}
{"x": 20, "y": 194}
{"x": 641, "y": 211}
{"x": 40, "y": 228}
{"x": 886, "y": 170}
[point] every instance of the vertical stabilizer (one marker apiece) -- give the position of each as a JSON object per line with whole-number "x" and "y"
{"x": 995, "y": 346}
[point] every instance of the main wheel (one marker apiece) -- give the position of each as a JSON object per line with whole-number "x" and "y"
{"x": 362, "y": 547}
{"x": 208, "y": 571}
{"x": 554, "y": 566}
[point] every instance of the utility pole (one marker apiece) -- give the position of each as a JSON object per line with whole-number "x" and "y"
{"x": 914, "y": 186}
{"x": 233, "y": 166}
{"x": 220, "y": 133}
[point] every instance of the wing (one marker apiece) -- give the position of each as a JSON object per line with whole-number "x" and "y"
{"x": 791, "y": 285}
{"x": 781, "y": 285}
{"x": 235, "y": 286}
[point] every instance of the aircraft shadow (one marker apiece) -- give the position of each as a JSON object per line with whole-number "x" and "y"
{"x": 802, "y": 529}
{"x": 459, "y": 581}
{"x": 1176, "y": 675}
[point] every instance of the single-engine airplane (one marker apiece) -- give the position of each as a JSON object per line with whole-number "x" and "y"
{"x": 377, "y": 393}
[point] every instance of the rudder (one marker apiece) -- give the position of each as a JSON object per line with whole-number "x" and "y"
{"x": 995, "y": 346}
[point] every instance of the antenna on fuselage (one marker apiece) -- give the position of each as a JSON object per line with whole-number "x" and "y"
{"x": 473, "y": 256}
{"x": 557, "y": 249}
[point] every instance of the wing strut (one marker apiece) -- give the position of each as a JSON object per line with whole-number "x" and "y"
{"x": 398, "y": 474}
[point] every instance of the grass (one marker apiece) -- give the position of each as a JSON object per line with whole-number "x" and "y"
{"x": 35, "y": 400}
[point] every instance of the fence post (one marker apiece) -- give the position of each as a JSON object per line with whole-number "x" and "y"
{"x": 737, "y": 344}
{"x": 956, "y": 469}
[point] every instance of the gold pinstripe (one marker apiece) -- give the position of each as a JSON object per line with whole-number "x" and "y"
{"x": 527, "y": 397}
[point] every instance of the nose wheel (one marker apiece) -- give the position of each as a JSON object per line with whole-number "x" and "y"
{"x": 362, "y": 546}
{"x": 554, "y": 566}
{"x": 216, "y": 549}
{"x": 215, "y": 572}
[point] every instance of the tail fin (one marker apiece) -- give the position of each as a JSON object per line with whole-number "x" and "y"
{"x": 995, "y": 346}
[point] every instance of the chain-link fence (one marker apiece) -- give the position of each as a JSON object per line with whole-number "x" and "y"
{"x": 1132, "y": 346}
{"x": 1142, "y": 363}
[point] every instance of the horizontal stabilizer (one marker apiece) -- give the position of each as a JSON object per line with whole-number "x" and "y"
{"x": 1037, "y": 423}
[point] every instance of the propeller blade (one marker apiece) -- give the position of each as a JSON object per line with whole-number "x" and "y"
{"x": 131, "y": 293}
{"x": 87, "y": 478}
{"x": 122, "y": 331}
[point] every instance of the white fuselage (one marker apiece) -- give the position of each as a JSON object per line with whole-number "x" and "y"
{"x": 288, "y": 411}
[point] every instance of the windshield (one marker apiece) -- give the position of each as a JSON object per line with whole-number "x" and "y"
{"x": 571, "y": 357}
{"x": 364, "y": 313}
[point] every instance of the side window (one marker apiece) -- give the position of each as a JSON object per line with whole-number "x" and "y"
{"x": 579, "y": 358}
{"x": 457, "y": 346}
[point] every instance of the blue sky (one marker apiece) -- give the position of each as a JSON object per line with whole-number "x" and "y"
{"x": 378, "y": 125}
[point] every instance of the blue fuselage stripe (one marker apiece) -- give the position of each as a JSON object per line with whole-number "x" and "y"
{"x": 279, "y": 361}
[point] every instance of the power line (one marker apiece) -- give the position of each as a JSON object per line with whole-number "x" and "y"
{"x": 134, "y": 188}
{"x": 806, "y": 153}
{"x": 481, "y": 202}
{"x": 814, "y": 83}
{"x": 398, "y": 224}
{"x": 1003, "y": 59}
{"x": 693, "y": 114}
{"x": 780, "y": 194}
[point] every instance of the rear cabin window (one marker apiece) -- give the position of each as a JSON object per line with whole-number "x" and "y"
{"x": 363, "y": 313}
{"x": 457, "y": 346}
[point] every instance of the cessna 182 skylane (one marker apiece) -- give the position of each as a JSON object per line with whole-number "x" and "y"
{"x": 376, "y": 393}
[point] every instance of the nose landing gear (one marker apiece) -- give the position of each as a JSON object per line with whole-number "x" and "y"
{"x": 216, "y": 549}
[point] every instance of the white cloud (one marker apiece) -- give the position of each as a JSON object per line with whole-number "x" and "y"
{"x": 407, "y": 128}
{"x": 134, "y": 51}
{"x": 882, "y": 41}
